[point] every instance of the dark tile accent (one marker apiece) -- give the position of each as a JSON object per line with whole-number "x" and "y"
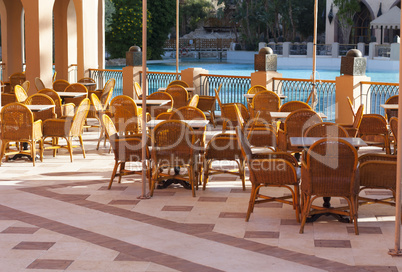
{"x": 20, "y": 230}
{"x": 124, "y": 257}
{"x": 289, "y": 222}
{"x": 240, "y": 191}
{"x": 261, "y": 234}
{"x": 50, "y": 264}
{"x": 379, "y": 192}
{"x": 34, "y": 245}
{"x": 212, "y": 199}
{"x": 333, "y": 243}
{"x": 232, "y": 215}
{"x": 114, "y": 188}
{"x": 365, "y": 230}
{"x": 177, "y": 208}
{"x": 163, "y": 193}
{"x": 124, "y": 202}
{"x": 269, "y": 205}
{"x": 380, "y": 268}
{"x": 221, "y": 178}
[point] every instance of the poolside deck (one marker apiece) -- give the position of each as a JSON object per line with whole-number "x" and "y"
{"x": 59, "y": 216}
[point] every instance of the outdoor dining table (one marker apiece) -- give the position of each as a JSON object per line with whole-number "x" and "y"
{"x": 193, "y": 123}
{"x": 390, "y": 106}
{"x": 278, "y": 115}
{"x": 38, "y": 108}
{"x": 152, "y": 102}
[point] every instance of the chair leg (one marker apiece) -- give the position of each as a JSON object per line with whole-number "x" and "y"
{"x": 154, "y": 178}
{"x": 191, "y": 173}
{"x": 70, "y": 147}
{"x": 251, "y": 201}
{"x": 33, "y": 151}
{"x": 305, "y": 212}
{"x": 242, "y": 172}
{"x": 122, "y": 167}
{"x": 296, "y": 203}
{"x": 116, "y": 164}
{"x": 82, "y": 145}
{"x": 207, "y": 164}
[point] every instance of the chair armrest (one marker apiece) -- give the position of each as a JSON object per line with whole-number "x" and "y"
{"x": 68, "y": 109}
{"x": 282, "y": 140}
{"x": 37, "y": 129}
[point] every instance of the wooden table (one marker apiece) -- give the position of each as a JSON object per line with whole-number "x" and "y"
{"x": 309, "y": 141}
{"x": 192, "y": 123}
{"x": 390, "y": 106}
{"x": 38, "y": 108}
{"x": 152, "y": 102}
{"x": 278, "y": 115}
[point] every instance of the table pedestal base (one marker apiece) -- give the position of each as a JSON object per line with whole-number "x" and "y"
{"x": 327, "y": 205}
{"x": 168, "y": 182}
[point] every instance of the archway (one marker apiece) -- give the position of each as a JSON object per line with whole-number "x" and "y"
{"x": 361, "y": 25}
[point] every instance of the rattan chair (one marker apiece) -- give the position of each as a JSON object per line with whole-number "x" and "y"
{"x": 18, "y": 125}
{"x": 138, "y": 90}
{"x": 393, "y": 124}
{"x": 163, "y": 116}
{"x": 265, "y": 102}
{"x": 41, "y": 99}
{"x": 351, "y": 106}
{"x": 329, "y": 170}
{"x": 60, "y": 85}
{"x": 125, "y": 115}
{"x": 7, "y": 98}
{"x": 194, "y": 101}
{"x": 172, "y": 146}
{"x": 67, "y": 128}
{"x": 179, "y": 95}
{"x": 373, "y": 130}
{"x": 294, "y": 105}
{"x": 61, "y": 110}
{"x": 391, "y": 113}
{"x": 178, "y": 82}
{"x": 88, "y": 80}
{"x": 79, "y": 88}
{"x": 20, "y": 94}
{"x": 377, "y": 171}
{"x": 54, "y": 76}
{"x": 16, "y": 79}
{"x": 295, "y": 125}
{"x": 156, "y": 110}
{"x": 26, "y": 85}
{"x": 263, "y": 136}
{"x": 99, "y": 111}
{"x": 326, "y": 129}
{"x": 223, "y": 147}
{"x": 270, "y": 169}
{"x": 228, "y": 113}
{"x": 39, "y": 85}
{"x": 353, "y": 129}
{"x": 126, "y": 149}
{"x": 206, "y": 103}
{"x": 256, "y": 89}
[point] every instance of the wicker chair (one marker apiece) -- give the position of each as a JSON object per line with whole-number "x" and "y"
{"x": 39, "y": 85}
{"x": 125, "y": 115}
{"x": 194, "y": 101}
{"x": 265, "y": 102}
{"x": 393, "y": 124}
{"x": 99, "y": 111}
{"x": 329, "y": 170}
{"x": 179, "y": 95}
{"x": 18, "y": 125}
{"x": 7, "y": 98}
{"x": 156, "y": 110}
{"x": 223, "y": 147}
{"x": 228, "y": 113}
{"x": 294, "y": 105}
{"x": 256, "y": 89}
{"x": 275, "y": 169}
{"x": 263, "y": 136}
{"x": 79, "y": 88}
{"x": 163, "y": 116}
{"x": 41, "y": 99}
{"x": 178, "y": 82}
{"x": 26, "y": 85}
{"x": 377, "y": 171}
{"x": 67, "y": 128}
{"x": 207, "y": 105}
{"x": 373, "y": 130}
{"x": 125, "y": 149}
{"x": 61, "y": 110}
{"x": 326, "y": 129}
{"x": 351, "y": 106}
{"x": 60, "y": 85}
{"x": 295, "y": 125}
{"x": 172, "y": 146}
{"x": 391, "y": 113}
{"x": 54, "y": 76}
{"x": 353, "y": 129}
{"x": 20, "y": 94}
{"x": 16, "y": 79}
{"x": 88, "y": 80}
{"x": 138, "y": 90}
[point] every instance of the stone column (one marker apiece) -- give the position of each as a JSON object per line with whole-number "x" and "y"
{"x": 265, "y": 64}
{"x": 192, "y": 77}
{"x": 131, "y": 74}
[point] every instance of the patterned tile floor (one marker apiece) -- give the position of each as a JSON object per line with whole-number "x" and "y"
{"x": 59, "y": 216}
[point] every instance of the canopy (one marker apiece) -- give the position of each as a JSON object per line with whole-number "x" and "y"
{"x": 391, "y": 19}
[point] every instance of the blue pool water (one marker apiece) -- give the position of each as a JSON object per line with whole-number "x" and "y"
{"x": 217, "y": 67}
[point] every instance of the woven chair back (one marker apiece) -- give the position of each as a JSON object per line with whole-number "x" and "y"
{"x": 194, "y": 101}
{"x": 16, "y": 122}
{"x": 60, "y": 85}
{"x": 223, "y": 146}
{"x": 20, "y": 94}
{"x": 378, "y": 171}
{"x": 110, "y": 128}
{"x": 299, "y": 121}
{"x": 187, "y": 113}
{"x": 263, "y": 136}
{"x": 178, "y": 82}
{"x": 393, "y": 123}
{"x": 156, "y": 110}
{"x": 39, "y": 85}
{"x": 391, "y": 113}
{"x": 256, "y": 89}
{"x": 56, "y": 99}
{"x": 88, "y": 80}
{"x": 138, "y": 90}
{"x": 76, "y": 87}
{"x": 107, "y": 92}
{"x": 326, "y": 129}
{"x": 358, "y": 118}
{"x": 42, "y": 99}
{"x": 206, "y": 103}
{"x": 373, "y": 124}
{"x": 294, "y": 105}
{"x": 125, "y": 114}
{"x": 332, "y": 165}
{"x": 26, "y": 84}
{"x": 179, "y": 95}
{"x": 351, "y": 106}
{"x": 17, "y": 79}
{"x": 96, "y": 102}
{"x": 79, "y": 117}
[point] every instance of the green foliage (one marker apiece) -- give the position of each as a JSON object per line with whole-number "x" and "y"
{"x": 126, "y": 26}
{"x": 192, "y": 12}
{"x": 346, "y": 10}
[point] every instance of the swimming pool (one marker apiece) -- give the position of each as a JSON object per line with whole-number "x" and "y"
{"x": 223, "y": 67}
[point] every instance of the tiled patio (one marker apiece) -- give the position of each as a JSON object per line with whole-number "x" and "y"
{"x": 59, "y": 216}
